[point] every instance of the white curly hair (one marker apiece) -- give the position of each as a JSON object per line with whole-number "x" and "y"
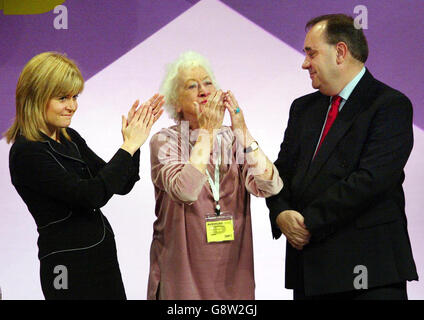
{"x": 169, "y": 86}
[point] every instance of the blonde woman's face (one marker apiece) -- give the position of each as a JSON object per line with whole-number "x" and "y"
{"x": 60, "y": 111}
{"x": 195, "y": 85}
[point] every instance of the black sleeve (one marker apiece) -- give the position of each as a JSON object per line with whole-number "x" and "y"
{"x": 40, "y": 170}
{"x": 285, "y": 164}
{"x": 96, "y": 164}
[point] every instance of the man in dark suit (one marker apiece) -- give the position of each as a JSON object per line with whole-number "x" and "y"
{"x": 341, "y": 161}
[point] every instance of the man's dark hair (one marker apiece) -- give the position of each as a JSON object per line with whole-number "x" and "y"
{"x": 341, "y": 28}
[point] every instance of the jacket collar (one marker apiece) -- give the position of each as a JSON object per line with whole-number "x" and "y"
{"x": 67, "y": 149}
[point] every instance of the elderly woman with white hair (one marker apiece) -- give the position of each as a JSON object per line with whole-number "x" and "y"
{"x": 203, "y": 174}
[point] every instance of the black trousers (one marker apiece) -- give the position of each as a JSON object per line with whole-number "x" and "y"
{"x": 395, "y": 291}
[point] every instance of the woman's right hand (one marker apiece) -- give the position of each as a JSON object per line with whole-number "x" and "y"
{"x": 136, "y": 129}
{"x": 210, "y": 117}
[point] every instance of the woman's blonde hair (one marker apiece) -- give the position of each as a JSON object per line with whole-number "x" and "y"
{"x": 45, "y": 76}
{"x": 169, "y": 86}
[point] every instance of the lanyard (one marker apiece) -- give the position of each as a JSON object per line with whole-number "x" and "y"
{"x": 215, "y": 184}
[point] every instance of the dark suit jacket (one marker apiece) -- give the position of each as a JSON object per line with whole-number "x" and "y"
{"x": 64, "y": 187}
{"x": 351, "y": 194}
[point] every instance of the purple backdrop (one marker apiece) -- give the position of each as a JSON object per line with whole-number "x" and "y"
{"x": 98, "y": 33}
{"x": 101, "y": 31}
{"x": 389, "y": 22}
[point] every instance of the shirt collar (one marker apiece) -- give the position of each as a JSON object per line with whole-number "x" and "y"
{"x": 346, "y": 92}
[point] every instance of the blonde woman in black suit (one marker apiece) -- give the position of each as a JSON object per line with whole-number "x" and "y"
{"x": 64, "y": 183}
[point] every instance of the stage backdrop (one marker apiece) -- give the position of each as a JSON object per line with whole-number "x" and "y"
{"x": 255, "y": 48}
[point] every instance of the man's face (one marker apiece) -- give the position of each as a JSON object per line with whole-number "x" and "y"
{"x": 320, "y": 59}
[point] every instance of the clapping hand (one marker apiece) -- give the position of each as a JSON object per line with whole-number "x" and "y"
{"x": 156, "y": 102}
{"x": 210, "y": 116}
{"x": 238, "y": 124}
{"x": 136, "y": 129}
{"x": 236, "y": 114}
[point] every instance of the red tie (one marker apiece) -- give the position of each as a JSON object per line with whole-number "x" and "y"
{"x": 332, "y": 114}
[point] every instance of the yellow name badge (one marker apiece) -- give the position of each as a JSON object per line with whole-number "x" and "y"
{"x": 219, "y": 229}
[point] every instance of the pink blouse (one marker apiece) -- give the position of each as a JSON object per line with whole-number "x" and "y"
{"x": 183, "y": 265}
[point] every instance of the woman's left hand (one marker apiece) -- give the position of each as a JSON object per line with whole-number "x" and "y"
{"x": 156, "y": 102}
{"x": 238, "y": 124}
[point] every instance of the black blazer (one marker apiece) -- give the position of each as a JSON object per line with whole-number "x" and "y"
{"x": 65, "y": 185}
{"x": 351, "y": 194}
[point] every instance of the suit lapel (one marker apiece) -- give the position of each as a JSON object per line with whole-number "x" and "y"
{"x": 63, "y": 149}
{"x": 341, "y": 125}
{"x": 313, "y": 122}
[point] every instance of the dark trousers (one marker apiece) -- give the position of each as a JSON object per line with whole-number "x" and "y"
{"x": 390, "y": 292}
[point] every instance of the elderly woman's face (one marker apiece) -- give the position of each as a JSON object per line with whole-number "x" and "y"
{"x": 195, "y": 85}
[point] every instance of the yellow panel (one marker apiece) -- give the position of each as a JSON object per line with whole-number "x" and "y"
{"x": 15, "y": 7}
